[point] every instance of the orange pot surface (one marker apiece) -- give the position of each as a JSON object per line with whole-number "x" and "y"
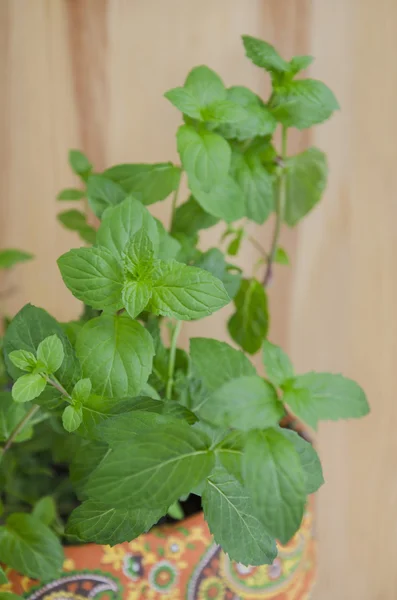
{"x": 176, "y": 562}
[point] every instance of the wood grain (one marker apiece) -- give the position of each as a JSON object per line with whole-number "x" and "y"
{"x": 90, "y": 74}
{"x": 87, "y": 36}
{"x": 39, "y": 122}
{"x": 344, "y": 296}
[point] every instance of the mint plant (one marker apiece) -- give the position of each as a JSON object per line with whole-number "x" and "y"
{"x": 118, "y": 425}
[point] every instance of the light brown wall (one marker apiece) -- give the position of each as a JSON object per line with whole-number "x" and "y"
{"x": 91, "y": 73}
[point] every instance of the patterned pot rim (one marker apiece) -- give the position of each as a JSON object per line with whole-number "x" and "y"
{"x": 174, "y": 562}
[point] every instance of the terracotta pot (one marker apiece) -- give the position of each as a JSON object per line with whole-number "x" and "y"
{"x": 175, "y": 562}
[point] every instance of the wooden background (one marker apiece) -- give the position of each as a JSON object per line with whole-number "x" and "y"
{"x": 90, "y": 74}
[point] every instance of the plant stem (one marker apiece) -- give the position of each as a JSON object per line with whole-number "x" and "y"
{"x": 55, "y": 383}
{"x": 257, "y": 245}
{"x": 21, "y": 425}
{"x": 280, "y": 208}
{"x": 171, "y": 363}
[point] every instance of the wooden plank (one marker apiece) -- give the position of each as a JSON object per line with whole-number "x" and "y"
{"x": 39, "y": 124}
{"x": 343, "y": 307}
{"x": 87, "y": 48}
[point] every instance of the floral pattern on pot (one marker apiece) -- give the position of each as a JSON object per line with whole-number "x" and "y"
{"x": 175, "y": 562}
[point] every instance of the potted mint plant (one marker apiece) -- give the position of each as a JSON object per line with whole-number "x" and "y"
{"x": 117, "y": 425}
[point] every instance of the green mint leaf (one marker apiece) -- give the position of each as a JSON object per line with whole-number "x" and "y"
{"x": 90, "y": 455}
{"x": 11, "y": 257}
{"x": 256, "y": 185}
{"x": 3, "y": 579}
{"x": 71, "y": 328}
{"x": 45, "y": 510}
{"x": 122, "y": 222}
{"x": 168, "y": 246}
{"x": 224, "y": 111}
{"x": 230, "y": 451}
{"x": 185, "y": 292}
{"x": 101, "y": 524}
{"x": 94, "y": 276}
{"x": 154, "y": 469}
{"x": 149, "y": 391}
{"x": 28, "y": 387}
{"x": 9, "y": 596}
{"x": 281, "y": 257}
{"x": 76, "y": 221}
{"x": 205, "y": 156}
{"x": 138, "y": 256}
{"x": 82, "y": 390}
{"x": 116, "y": 354}
{"x": 103, "y": 193}
{"x": 277, "y": 364}
{"x": 310, "y": 461}
{"x": 274, "y": 479}
{"x": 266, "y": 152}
{"x": 223, "y": 201}
{"x": 29, "y": 547}
{"x": 72, "y": 417}
{"x": 138, "y": 267}
{"x": 214, "y": 434}
{"x": 217, "y": 363}
{"x": 227, "y": 510}
{"x": 142, "y": 403}
{"x": 71, "y": 194}
{"x": 303, "y": 103}
{"x": 25, "y": 332}
{"x": 184, "y": 101}
{"x": 234, "y": 246}
{"x": 11, "y": 414}
{"x": 50, "y": 353}
{"x": 175, "y": 511}
{"x": 244, "y": 403}
{"x": 188, "y": 252}
{"x": 264, "y": 55}
{"x": 258, "y": 120}
{"x": 324, "y": 396}
{"x": 205, "y": 86}
{"x": 147, "y": 183}
{"x": 79, "y": 163}
{"x": 249, "y": 325}
{"x": 24, "y": 360}
{"x": 136, "y": 296}
{"x": 195, "y": 394}
{"x": 214, "y": 262}
{"x": 96, "y": 410}
{"x": 190, "y": 217}
{"x": 306, "y": 180}
{"x": 50, "y": 400}
{"x": 300, "y": 63}
{"x": 178, "y": 411}
{"x": 121, "y": 428}
{"x": 204, "y": 98}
